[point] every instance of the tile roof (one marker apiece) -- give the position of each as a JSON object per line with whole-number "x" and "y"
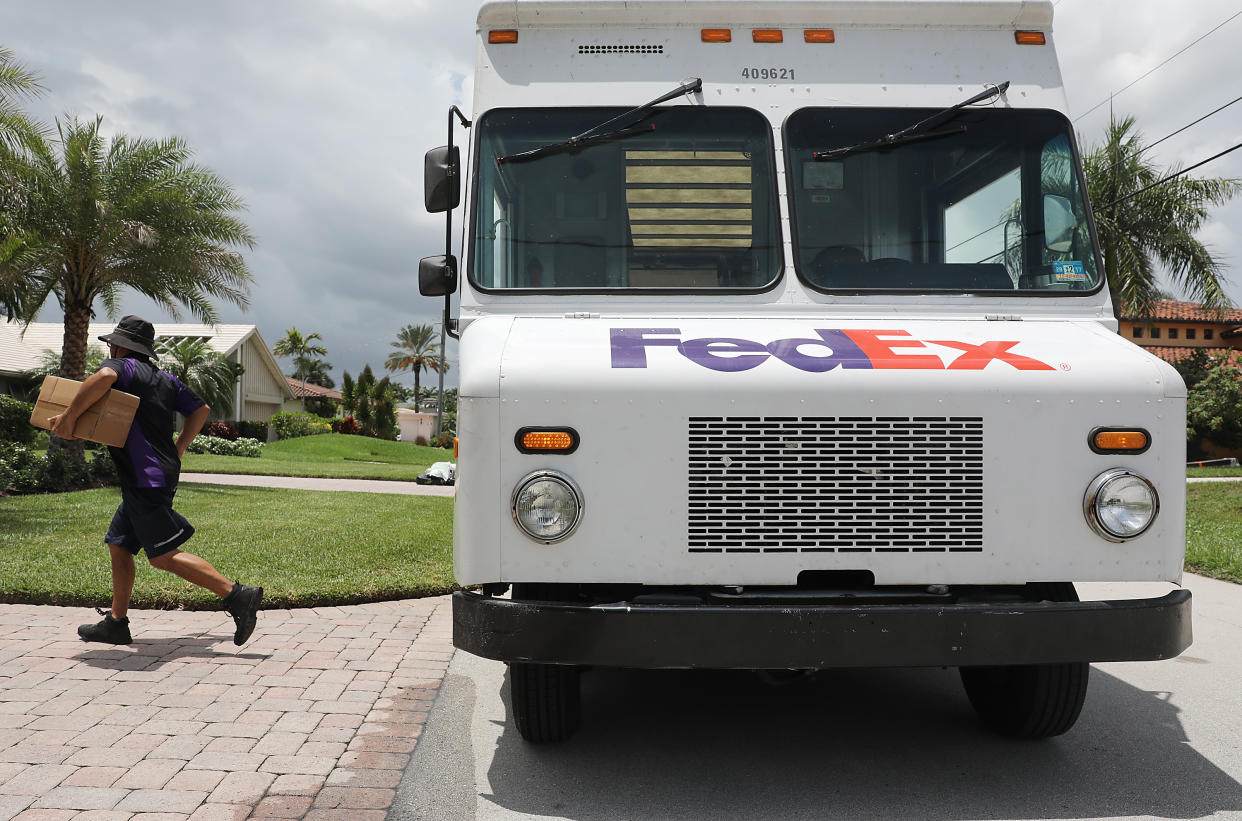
{"x": 304, "y": 390}
{"x": 1167, "y": 310}
{"x": 1176, "y": 353}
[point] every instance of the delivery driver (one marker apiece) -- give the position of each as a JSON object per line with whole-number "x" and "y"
{"x": 149, "y": 467}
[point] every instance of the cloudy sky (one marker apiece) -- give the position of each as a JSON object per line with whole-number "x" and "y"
{"x": 319, "y": 111}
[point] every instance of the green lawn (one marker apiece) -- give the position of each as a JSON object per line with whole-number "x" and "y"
{"x": 1214, "y": 529}
{"x": 1214, "y": 471}
{"x": 329, "y": 455}
{"x": 305, "y": 548}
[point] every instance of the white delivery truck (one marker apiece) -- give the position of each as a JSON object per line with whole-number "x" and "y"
{"x": 785, "y": 343}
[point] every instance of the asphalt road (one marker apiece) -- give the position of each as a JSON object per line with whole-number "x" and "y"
{"x": 1155, "y": 740}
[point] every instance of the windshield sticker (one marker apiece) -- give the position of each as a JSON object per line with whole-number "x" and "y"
{"x": 1069, "y": 271}
{"x": 830, "y": 348}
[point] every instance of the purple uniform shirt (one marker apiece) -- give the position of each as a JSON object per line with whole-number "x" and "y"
{"x": 149, "y": 458}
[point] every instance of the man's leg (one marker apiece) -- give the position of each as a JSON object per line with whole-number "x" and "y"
{"x": 195, "y": 570}
{"x": 122, "y": 580}
{"x": 242, "y": 601}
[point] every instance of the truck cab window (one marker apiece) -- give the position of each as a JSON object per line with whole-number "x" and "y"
{"x": 994, "y": 204}
{"x": 686, "y": 205}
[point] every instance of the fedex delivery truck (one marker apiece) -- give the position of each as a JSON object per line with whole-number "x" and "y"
{"x": 785, "y": 343}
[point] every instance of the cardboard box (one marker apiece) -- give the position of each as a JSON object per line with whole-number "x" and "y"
{"x": 107, "y": 421}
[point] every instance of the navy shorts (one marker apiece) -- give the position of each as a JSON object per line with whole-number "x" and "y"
{"x": 145, "y": 520}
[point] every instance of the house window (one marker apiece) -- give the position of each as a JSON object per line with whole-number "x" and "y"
{"x": 1208, "y": 333}
{"x": 1138, "y": 332}
{"x": 1155, "y": 333}
{"x": 1172, "y": 333}
{"x": 1190, "y": 333}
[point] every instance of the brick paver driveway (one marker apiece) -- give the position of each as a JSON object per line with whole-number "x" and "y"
{"x": 314, "y": 718}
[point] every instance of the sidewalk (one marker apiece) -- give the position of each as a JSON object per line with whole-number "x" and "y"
{"x": 302, "y": 483}
{"x": 314, "y": 718}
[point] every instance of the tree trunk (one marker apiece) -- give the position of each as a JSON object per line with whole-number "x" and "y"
{"x": 73, "y": 366}
{"x": 416, "y": 370}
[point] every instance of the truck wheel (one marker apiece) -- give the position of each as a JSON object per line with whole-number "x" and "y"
{"x": 545, "y": 701}
{"x": 1030, "y": 701}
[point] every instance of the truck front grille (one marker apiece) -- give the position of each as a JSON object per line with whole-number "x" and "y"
{"x": 835, "y": 484}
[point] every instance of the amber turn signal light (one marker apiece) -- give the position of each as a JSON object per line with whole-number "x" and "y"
{"x": 716, "y": 35}
{"x": 546, "y": 440}
{"x": 767, "y": 36}
{"x": 1120, "y": 440}
{"x": 819, "y": 36}
{"x": 502, "y": 36}
{"x": 1029, "y": 38}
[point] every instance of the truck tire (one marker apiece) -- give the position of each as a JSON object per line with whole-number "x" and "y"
{"x": 545, "y": 698}
{"x": 1030, "y": 701}
{"x": 545, "y": 701}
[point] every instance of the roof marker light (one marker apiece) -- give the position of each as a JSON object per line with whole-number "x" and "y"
{"x": 819, "y": 36}
{"x": 767, "y": 36}
{"x": 716, "y": 35}
{"x": 502, "y": 36}
{"x": 1029, "y": 38}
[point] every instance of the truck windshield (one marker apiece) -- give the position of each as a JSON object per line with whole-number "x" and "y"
{"x": 686, "y": 201}
{"x": 995, "y": 204}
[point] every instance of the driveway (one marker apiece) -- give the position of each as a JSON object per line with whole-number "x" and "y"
{"x": 1155, "y": 740}
{"x": 314, "y": 718}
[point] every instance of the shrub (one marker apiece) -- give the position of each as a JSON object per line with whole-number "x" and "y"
{"x": 1214, "y": 407}
{"x": 444, "y": 440}
{"x": 349, "y": 426}
{"x": 103, "y": 469}
{"x": 222, "y": 430}
{"x": 292, "y": 424}
{"x": 25, "y": 470}
{"x": 253, "y": 429}
{"x": 420, "y": 440}
{"x": 15, "y": 420}
{"x": 226, "y": 447}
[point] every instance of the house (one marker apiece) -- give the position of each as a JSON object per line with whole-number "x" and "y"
{"x": 309, "y": 390}
{"x": 1177, "y": 328}
{"x": 261, "y": 391}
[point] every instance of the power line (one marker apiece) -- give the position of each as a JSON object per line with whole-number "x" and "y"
{"x": 1148, "y": 73}
{"x": 1175, "y": 133}
{"x": 1169, "y": 178}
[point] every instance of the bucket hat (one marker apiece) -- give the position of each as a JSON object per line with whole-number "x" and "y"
{"x": 134, "y": 334}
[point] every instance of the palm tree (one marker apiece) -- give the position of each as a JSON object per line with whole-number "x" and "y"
{"x": 16, "y": 129}
{"x": 208, "y": 373}
{"x": 15, "y": 82}
{"x": 302, "y": 349}
{"x": 1156, "y": 226}
{"x": 92, "y": 217}
{"x": 415, "y": 351}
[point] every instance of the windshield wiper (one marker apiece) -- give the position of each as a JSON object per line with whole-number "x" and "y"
{"x": 914, "y": 132}
{"x": 596, "y": 134}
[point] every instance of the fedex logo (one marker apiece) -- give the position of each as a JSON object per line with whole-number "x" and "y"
{"x": 829, "y": 348}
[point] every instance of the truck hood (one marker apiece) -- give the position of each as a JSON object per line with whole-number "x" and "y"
{"x": 552, "y": 357}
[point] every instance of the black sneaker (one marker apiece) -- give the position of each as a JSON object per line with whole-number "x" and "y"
{"x": 108, "y": 631}
{"x": 243, "y": 604}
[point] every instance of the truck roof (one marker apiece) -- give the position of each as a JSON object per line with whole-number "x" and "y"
{"x": 903, "y": 13}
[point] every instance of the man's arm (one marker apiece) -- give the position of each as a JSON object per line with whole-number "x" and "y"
{"x": 193, "y": 424}
{"x": 93, "y": 389}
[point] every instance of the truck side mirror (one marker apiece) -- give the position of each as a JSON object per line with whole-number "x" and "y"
{"x": 442, "y": 179}
{"x": 1059, "y": 223}
{"x": 437, "y": 276}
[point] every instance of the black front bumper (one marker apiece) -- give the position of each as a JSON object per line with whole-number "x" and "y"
{"x": 773, "y": 636}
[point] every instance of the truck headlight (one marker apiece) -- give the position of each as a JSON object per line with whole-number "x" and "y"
{"x": 1120, "y": 504}
{"x": 547, "y": 506}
